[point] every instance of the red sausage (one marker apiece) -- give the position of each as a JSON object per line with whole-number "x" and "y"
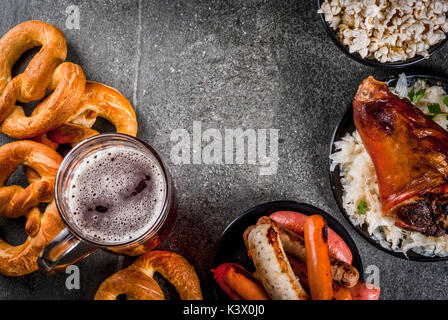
{"x": 363, "y": 291}
{"x": 295, "y": 222}
{"x": 317, "y": 258}
{"x": 219, "y": 277}
{"x": 238, "y": 283}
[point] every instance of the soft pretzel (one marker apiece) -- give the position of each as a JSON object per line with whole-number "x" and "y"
{"x": 16, "y": 201}
{"x": 98, "y": 100}
{"x": 36, "y": 78}
{"x": 140, "y": 249}
{"x": 137, "y": 283}
{"x": 67, "y": 81}
{"x": 41, "y": 229}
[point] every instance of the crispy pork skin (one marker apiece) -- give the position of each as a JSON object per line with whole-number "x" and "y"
{"x": 410, "y": 155}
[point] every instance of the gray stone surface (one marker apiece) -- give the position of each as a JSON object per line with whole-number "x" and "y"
{"x": 250, "y": 64}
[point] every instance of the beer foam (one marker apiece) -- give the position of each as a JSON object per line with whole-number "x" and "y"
{"x": 116, "y": 194}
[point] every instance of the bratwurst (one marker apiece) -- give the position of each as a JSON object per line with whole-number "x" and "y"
{"x": 272, "y": 264}
{"x": 342, "y": 273}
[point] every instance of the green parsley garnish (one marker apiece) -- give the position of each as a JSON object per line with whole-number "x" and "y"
{"x": 415, "y": 96}
{"x": 445, "y": 100}
{"x": 435, "y": 110}
{"x": 362, "y": 207}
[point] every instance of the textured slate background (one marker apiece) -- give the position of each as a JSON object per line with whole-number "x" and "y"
{"x": 250, "y": 64}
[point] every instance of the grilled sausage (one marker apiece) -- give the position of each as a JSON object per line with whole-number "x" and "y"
{"x": 238, "y": 283}
{"x": 295, "y": 222}
{"x": 272, "y": 265}
{"x": 342, "y": 273}
{"x": 364, "y": 291}
{"x": 318, "y": 260}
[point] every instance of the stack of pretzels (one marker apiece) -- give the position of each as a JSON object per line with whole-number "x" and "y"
{"x": 65, "y": 116}
{"x": 69, "y": 112}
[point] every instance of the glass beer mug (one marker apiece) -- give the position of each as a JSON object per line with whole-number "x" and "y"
{"x": 125, "y": 201}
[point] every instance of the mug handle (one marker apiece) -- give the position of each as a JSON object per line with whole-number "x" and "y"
{"x": 63, "y": 251}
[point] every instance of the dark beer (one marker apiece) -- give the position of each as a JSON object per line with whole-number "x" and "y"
{"x": 116, "y": 194}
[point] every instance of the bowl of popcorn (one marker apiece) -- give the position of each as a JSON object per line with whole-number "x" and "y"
{"x": 386, "y": 33}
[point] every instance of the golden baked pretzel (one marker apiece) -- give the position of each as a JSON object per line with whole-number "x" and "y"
{"x": 98, "y": 100}
{"x": 45, "y": 72}
{"x": 16, "y": 201}
{"x": 41, "y": 229}
{"x": 36, "y": 78}
{"x": 137, "y": 283}
{"x": 68, "y": 82}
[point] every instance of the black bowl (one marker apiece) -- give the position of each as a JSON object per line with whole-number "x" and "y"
{"x": 346, "y": 125}
{"x": 374, "y": 63}
{"x": 231, "y": 247}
